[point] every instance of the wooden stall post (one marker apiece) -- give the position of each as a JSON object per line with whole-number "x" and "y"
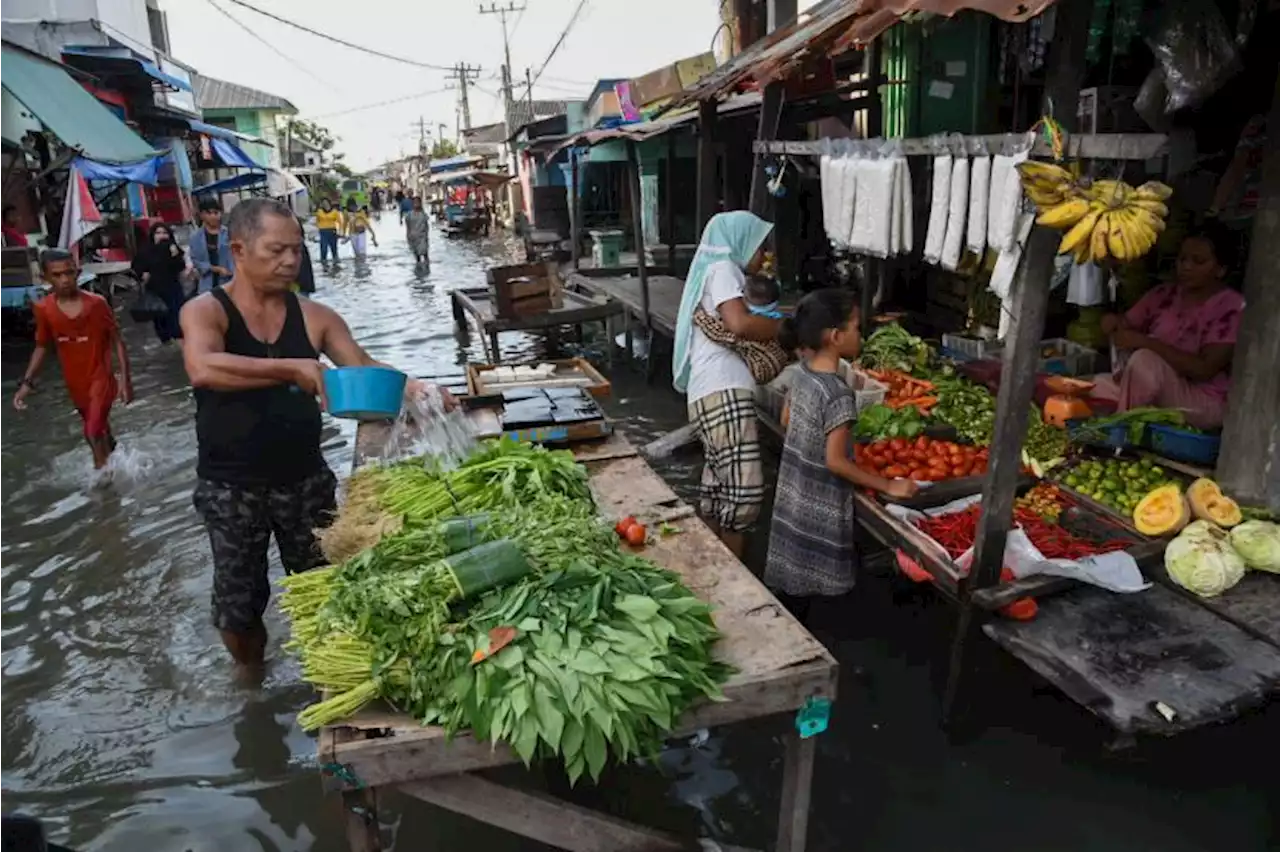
{"x": 1063, "y": 76}
{"x": 637, "y": 216}
{"x": 706, "y": 205}
{"x": 770, "y": 112}
{"x": 1247, "y": 467}
{"x": 575, "y": 211}
{"x": 671, "y": 203}
{"x": 797, "y": 788}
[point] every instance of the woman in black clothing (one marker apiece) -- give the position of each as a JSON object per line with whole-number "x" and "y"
{"x": 160, "y": 265}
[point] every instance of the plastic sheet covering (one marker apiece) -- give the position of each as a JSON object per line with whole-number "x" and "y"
{"x": 144, "y": 172}
{"x": 1194, "y": 50}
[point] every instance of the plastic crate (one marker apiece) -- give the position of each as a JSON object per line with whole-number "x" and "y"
{"x": 1117, "y": 436}
{"x": 964, "y": 348}
{"x": 1182, "y": 445}
{"x": 1075, "y": 360}
{"x": 866, "y": 390}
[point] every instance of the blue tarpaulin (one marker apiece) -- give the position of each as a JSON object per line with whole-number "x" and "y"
{"x": 147, "y": 171}
{"x": 232, "y": 154}
{"x": 461, "y": 161}
{"x": 119, "y": 59}
{"x": 231, "y": 184}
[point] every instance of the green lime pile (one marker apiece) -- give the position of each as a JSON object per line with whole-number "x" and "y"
{"x": 1117, "y": 483}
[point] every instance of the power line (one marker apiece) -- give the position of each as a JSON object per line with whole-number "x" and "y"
{"x": 233, "y": 19}
{"x": 343, "y": 42}
{"x": 573, "y": 19}
{"x": 398, "y": 100}
{"x": 502, "y": 11}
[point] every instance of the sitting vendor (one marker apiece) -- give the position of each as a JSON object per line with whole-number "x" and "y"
{"x": 1179, "y": 338}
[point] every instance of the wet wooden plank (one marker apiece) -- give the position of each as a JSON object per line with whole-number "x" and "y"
{"x": 1118, "y": 655}
{"x": 1253, "y": 604}
{"x": 664, "y": 294}
{"x": 544, "y": 818}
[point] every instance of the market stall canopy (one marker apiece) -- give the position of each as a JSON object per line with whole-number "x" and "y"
{"x": 96, "y": 59}
{"x": 76, "y": 117}
{"x": 829, "y": 29}
{"x": 478, "y": 177}
{"x": 216, "y": 132}
{"x": 144, "y": 172}
{"x": 232, "y": 155}
{"x": 641, "y": 131}
{"x": 449, "y": 163}
{"x": 247, "y": 180}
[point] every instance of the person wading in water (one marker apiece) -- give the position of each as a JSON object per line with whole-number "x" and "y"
{"x": 252, "y": 354}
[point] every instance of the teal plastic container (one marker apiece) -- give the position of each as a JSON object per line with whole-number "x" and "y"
{"x": 364, "y": 393}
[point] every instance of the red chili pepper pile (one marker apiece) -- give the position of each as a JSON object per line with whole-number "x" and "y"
{"x": 956, "y": 533}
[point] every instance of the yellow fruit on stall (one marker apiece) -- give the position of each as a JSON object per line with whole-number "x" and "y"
{"x": 1163, "y": 511}
{"x": 1209, "y": 503}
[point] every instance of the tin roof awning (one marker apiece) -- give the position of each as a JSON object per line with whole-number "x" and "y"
{"x": 830, "y": 28}
{"x": 96, "y": 59}
{"x": 641, "y": 131}
{"x": 76, "y": 117}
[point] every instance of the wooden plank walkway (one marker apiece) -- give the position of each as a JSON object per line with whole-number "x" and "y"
{"x": 664, "y": 295}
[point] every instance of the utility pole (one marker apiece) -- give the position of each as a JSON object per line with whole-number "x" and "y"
{"x": 528, "y": 86}
{"x": 502, "y": 12}
{"x": 464, "y": 74}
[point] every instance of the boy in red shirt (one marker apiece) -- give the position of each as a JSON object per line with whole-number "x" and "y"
{"x": 84, "y": 329}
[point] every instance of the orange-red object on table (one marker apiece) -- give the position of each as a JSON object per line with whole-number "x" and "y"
{"x": 1022, "y": 609}
{"x": 922, "y": 459}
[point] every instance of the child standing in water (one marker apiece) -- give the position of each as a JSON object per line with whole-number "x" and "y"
{"x": 811, "y": 540}
{"x": 83, "y": 329}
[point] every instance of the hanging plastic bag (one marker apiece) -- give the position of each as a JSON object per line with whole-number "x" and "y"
{"x": 1006, "y": 196}
{"x": 1086, "y": 284}
{"x": 979, "y": 198}
{"x": 939, "y": 206}
{"x": 957, "y": 210}
{"x": 1194, "y": 50}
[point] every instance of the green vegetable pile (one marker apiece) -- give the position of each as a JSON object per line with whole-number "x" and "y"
{"x": 1045, "y": 443}
{"x": 524, "y": 624}
{"x": 881, "y": 421}
{"x": 967, "y": 407}
{"x": 890, "y": 347}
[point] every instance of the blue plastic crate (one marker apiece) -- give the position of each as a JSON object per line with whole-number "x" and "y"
{"x": 1117, "y": 436}
{"x": 1182, "y": 445}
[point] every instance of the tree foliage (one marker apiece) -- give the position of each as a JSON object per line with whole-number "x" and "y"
{"x": 443, "y": 148}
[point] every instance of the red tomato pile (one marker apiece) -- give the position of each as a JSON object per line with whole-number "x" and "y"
{"x": 922, "y": 459}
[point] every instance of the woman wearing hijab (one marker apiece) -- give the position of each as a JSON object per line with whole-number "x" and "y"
{"x": 161, "y": 265}
{"x": 716, "y": 379}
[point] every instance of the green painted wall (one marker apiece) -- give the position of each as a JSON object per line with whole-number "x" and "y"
{"x": 939, "y": 77}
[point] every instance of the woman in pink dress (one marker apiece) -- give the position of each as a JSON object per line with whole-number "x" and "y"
{"x": 1180, "y": 337}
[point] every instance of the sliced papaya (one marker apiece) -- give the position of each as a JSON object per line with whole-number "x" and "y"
{"x": 1209, "y": 503}
{"x": 1163, "y": 511}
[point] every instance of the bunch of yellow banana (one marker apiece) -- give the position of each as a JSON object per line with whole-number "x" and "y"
{"x": 1047, "y": 184}
{"x": 1102, "y": 218}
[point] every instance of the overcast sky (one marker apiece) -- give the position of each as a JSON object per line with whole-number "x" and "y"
{"x": 612, "y": 38}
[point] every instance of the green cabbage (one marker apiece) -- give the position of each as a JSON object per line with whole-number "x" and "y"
{"x": 1203, "y": 562}
{"x": 1258, "y": 543}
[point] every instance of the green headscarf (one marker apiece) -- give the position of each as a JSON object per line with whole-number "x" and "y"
{"x": 732, "y": 236}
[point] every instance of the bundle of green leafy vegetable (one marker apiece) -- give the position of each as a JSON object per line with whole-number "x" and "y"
{"x": 967, "y": 407}
{"x": 881, "y": 421}
{"x": 891, "y": 347}
{"x": 591, "y": 651}
{"x": 1135, "y": 421}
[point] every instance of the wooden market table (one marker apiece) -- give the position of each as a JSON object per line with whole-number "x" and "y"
{"x": 779, "y": 667}
{"x": 477, "y": 304}
{"x": 1161, "y": 661}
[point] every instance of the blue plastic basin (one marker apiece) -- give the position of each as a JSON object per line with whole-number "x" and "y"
{"x": 1175, "y": 443}
{"x": 364, "y": 393}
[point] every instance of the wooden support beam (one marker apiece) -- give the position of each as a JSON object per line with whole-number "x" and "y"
{"x": 706, "y": 202}
{"x": 874, "y": 78}
{"x": 671, "y": 204}
{"x": 797, "y": 788}
{"x": 1249, "y": 466}
{"x": 359, "y": 806}
{"x": 540, "y": 817}
{"x": 575, "y": 211}
{"x": 637, "y": 217}
{"x": 1021, "y": 354}
{"x": 770, "y": 112}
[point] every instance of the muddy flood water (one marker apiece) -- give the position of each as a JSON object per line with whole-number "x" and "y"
{"x": 123, "y": 730}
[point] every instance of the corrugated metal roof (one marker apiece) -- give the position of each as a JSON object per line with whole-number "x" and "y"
{"x": 643, "y": 130}
{"x": 68, "y": 111}
{"x": 831, "y": 28}
{"x": 520, "y": 113}
{"x": 215, "y": 94}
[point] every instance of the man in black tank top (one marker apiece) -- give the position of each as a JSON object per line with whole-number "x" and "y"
{"x": 252, "y": 352}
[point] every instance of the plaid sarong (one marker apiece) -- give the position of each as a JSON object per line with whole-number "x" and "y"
{"x": 732, "y": 475}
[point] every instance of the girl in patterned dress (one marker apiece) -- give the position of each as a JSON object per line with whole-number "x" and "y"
{"x": 811, "y": 540}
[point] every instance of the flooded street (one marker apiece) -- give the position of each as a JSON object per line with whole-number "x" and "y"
{"x": 123, "y": 729}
